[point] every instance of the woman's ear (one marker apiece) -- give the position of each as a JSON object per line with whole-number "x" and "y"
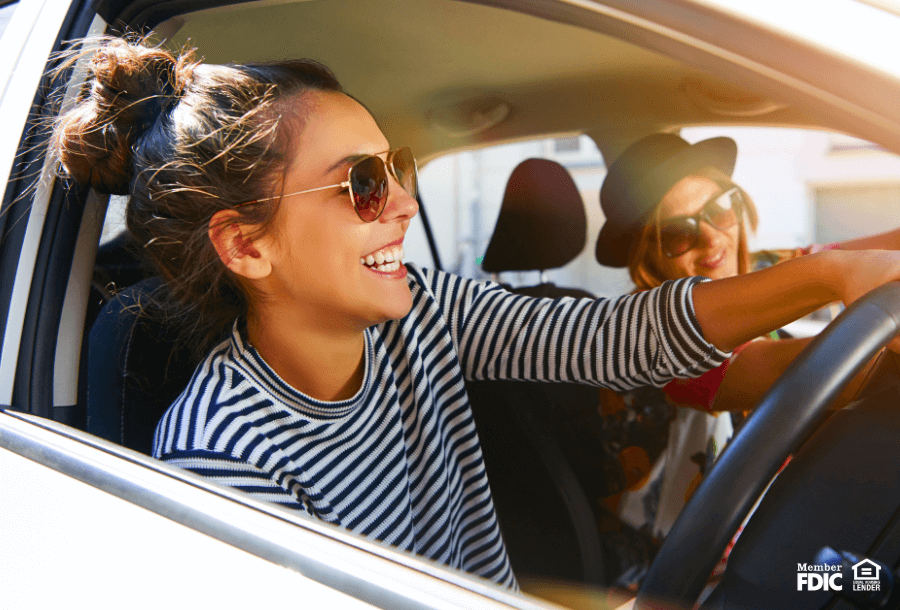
{"x": 243, "y": 255}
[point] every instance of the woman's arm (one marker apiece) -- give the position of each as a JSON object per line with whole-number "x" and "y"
{"x": 735, "y": 310}
{"x": 631, "y": 341}
{"x": 889, "y": 240}
{"x": 760, "y": 363}
{"x": 681, "y": 329}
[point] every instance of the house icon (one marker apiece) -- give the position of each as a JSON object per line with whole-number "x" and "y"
{"x": 866, "y": 570}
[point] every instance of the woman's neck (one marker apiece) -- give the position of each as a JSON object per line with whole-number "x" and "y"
{"x": 321, "y": 360}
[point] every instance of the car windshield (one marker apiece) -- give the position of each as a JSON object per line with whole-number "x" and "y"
{"x": 810, "y": 186}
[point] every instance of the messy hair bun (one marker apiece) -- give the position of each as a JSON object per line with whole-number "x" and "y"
{"x": 186, "y": 140}
{"x": 130, "y": 86}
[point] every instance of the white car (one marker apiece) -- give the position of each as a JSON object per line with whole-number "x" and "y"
{"x": 88, "y": 520}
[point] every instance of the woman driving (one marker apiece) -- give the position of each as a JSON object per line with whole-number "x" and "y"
{"x": 330, "y": 375}
{"x": 673, "y": 211}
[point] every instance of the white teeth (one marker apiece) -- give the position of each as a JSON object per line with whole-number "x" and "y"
{"x": 384, "y": 260}
{"x": 388, "y": 267}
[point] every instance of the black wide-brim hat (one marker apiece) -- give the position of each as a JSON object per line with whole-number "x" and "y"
{"x": 638, "y": 180}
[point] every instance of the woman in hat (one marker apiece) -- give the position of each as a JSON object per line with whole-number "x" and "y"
{"x": 673, "y": 211}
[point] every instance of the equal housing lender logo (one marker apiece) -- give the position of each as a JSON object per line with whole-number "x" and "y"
{"x": 828, "y": 577}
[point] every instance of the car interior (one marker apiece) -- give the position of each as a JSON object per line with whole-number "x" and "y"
{"x": 443, "y": 76}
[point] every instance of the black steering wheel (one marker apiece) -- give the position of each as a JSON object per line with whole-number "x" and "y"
{"x": 792, "y": 408}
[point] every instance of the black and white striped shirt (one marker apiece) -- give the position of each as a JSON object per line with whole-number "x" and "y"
{"x": 401, "y": 461}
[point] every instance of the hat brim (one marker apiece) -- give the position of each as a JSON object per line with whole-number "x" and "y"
{"x": 614, "y": 242}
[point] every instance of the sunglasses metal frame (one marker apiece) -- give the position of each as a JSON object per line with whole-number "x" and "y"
{"x": 389, "y": 169}
{"x": 704, "y": 215}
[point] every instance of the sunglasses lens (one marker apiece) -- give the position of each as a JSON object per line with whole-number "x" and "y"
{"x": 404, "y": 164}
{"x": 678, "y": 237}
{"x": 368, "y": 187}
{"x": 723, "y": 210}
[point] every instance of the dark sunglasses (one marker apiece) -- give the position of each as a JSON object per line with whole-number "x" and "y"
{"x": 367, "y": 181}
{"x": 680, "y": 234}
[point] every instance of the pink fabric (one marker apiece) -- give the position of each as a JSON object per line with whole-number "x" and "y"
{"x": 813, "y": 248}
{"x": 700, "y": 392}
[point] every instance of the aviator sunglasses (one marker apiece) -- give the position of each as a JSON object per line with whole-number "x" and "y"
{"x": 367, "y": 181}
{"x": 680, "y": 234}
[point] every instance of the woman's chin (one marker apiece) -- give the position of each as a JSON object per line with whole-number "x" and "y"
{"x": 716, "y": 274}
{"x": 718, "y": 269}
{"x": 394, "y": 307}
{"x": 719, "y": 274}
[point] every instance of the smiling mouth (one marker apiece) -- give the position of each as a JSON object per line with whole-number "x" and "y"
{"x": 385, "y": 260}
{"x": 713, "y": 261}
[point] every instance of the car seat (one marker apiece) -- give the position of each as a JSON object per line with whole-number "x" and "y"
{"x": 134, "y": 370}
{"x": 539, "y": 483}
{"x": 541, "y": 226}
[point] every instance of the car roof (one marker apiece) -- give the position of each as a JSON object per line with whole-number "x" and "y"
{"x": 438, "y": 73}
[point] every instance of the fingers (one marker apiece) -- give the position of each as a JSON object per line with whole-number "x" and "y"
{"x": 894, "y": 345}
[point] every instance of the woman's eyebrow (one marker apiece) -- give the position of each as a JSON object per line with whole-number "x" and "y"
{"x": 349, "y": 160}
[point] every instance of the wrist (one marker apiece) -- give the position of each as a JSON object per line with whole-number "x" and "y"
{"x": 830, "y": 273}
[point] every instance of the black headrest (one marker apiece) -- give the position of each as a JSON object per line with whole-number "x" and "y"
{"x": 542, "y": 224}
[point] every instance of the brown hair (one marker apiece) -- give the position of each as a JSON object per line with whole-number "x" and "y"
{"x": 641, "y": 265}
{"x": 187, "y": 140}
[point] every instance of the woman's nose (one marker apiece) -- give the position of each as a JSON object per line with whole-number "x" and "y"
{"x": 400, "y": 204}
{"x": 708, "y": 233}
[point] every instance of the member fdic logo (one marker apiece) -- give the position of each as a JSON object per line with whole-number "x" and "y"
{"x": 819, "y": 577}
{"x": 830, "y": 577}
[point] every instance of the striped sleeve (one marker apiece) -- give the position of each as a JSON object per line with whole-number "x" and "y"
{"x": 231, "y": 472}
{"x": 643, "y": 339}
